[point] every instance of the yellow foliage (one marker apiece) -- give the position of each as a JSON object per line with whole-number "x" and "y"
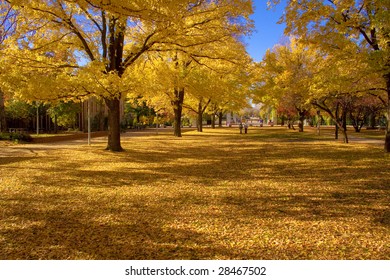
{"x": 271, "y": 194}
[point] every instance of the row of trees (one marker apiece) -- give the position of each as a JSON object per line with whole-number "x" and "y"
{"x": 161, "y": 51}
{"x": 338, "y": 61}
{"x": 189, "y": 54}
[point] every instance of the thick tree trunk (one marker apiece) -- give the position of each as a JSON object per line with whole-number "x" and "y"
{"x": 55, "y": 124}
{"x": 200, "y": 118}
{"x": 344, "y": 119}
{"x": 178, "y": 109}
{"x": 114, "y": 129}
{"x": 372, "y": 120}
{"x": 337, "y": 116}
{"x": 220, "y": 115}
{"x": 387, "y": 138}
{"x": 346, "y": 141}
{"x": 341, "y": 126}
{"x": 3, "y": 120}
{"x": 301, "y": 120}
{"x": 213, "y": 120}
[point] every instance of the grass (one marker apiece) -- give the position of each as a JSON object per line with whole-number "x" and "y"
{"x": 270, "y": 194}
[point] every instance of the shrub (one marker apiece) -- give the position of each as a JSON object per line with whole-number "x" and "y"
{"x": 16, "y": 136}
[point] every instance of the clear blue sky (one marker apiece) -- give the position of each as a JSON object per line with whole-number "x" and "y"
{"x": 267, "y": 32}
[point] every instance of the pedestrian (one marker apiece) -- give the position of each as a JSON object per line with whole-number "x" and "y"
{"x": 246, "y": 128}
{"x": 240, "y": 127}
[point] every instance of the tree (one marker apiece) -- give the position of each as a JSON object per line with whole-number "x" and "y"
{"x": 106, "y": 39}
{"x": 339, "y": 82}
{"x": 226, "y": 85}
{"x": 338, "y": 26}
{"x": 64, "y": 114}
{"x": 283, "y": 79}
{"x": 7, "y": 28}
{"x": 198, "y": 75}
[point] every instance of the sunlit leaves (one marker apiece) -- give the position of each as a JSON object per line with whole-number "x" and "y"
{"x": 187, "y": 199}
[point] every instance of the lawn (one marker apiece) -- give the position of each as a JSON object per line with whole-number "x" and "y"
{"x": 269, "y": 194}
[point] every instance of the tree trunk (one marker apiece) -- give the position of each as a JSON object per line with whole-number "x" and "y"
{"x": 55, "y": 124}
{"x": 3, "y": 120}
{"x": 387, "y": 138}
{"x": 220, "y": 115}
{"x": 372, "y": 120}
{"x": 200, "y": 117}
{"x": 343, "y": 127}
{"x": 344, "y": 120}
{"x": 346, "y": 141}
{"x": 213, "y": 120}
{"x": 339, "y": 123}
{"x": 114, "y": 129}
{"x": 301, "y": 120}
{"x": 178, "y": 109}
{"x": 336, "y": 133}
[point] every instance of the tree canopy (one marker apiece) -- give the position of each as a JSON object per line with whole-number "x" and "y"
{"x": 352, "y": 35}
{"x": 87, "y": 47}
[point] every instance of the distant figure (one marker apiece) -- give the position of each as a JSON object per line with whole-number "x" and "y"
{"x": 246, "y": 128}
{"x": 240, "y": 127}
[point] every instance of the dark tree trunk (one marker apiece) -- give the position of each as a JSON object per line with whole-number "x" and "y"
{"x": 3, "y": 120}
{"x": 301, "y": 120}
{"x": 200, "y": 117}
{"x": 346, "y": 141}
{"x": 220, "y": 115}
{"x": 372, "y": 120}
{"x": 344, "y": 119}
{"x": 290, "y": 124}
{"x": 213, "y": 120}
{"x": 387, "y": 138}
{"x": 114, "y": 130}
{"x": 339, "y": 123}
{"x": 282, "y": 119}
{"x": 55, "y": 124}
{"x": 178, "y": 109}
{"x": 336, "y": 133}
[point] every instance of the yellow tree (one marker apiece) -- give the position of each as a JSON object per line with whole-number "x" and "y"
{"x": 332, "y": 25}
{"x": 7, "y": 28}
{"x": 284, "y": 78}
{"x": 228, "y": 85}
{"x": 199, "y": 71}
{"x": 108, "y": 39}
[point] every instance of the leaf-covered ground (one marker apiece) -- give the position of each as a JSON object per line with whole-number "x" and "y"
{"x": 270, "y": 194}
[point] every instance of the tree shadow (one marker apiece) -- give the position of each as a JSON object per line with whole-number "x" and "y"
{"x": 155, "y": 202}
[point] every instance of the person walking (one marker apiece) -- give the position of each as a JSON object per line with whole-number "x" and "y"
{"x": 240, "y": 127}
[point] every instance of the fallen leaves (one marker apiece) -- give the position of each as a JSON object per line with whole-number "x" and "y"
{"x": 216, "y": 195}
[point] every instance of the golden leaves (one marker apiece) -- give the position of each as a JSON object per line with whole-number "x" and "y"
{"x": 165, "y": 198}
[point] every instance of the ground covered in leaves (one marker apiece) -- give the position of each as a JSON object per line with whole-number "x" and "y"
{"x": 269, "y": 194}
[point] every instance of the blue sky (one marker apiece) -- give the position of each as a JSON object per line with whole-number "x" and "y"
{"x": 267, "y": 32}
